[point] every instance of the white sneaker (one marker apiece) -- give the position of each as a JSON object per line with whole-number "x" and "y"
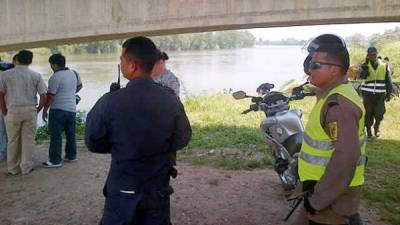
{"x": 48, "y": 164}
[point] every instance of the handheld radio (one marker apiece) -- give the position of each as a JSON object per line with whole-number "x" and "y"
{"x": 116, "y": 85}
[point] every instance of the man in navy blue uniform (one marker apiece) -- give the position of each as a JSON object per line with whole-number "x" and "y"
{"x": 142, "y": 126}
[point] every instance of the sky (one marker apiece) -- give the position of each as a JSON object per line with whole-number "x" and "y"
{"x": 307, "y": 32}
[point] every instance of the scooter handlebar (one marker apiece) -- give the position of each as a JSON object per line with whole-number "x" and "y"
{"x": 247, "y": 111}
{"x": 309, "y": 94}
{"x": 253, "y": 107}
{"x": 300, "y": 96}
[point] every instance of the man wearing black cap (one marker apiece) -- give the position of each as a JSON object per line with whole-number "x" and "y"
{"x": 376, "y": 88}
{"x": 332, "y": 156}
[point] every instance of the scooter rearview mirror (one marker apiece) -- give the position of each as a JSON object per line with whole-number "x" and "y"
{"x": 239, "y": 95}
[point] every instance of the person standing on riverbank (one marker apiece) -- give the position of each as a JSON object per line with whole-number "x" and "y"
{"x": 332, "y": 158}
{"x": 164, "y": 76}
{"x": 142, "y": 126}
{"x": 18, "y": 102}
{"x": 375, "y": 89}
{"x": 61, "y": 100}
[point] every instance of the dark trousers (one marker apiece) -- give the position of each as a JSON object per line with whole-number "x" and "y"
{"x": 61, "y": 121}
{"x": 374, "y": 107}
{"x": 3, "y": 139}
{"x": 141, "y": 208}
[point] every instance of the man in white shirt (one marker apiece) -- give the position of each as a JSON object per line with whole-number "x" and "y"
{"x": 61, "y": 100}
{"x": 18, "y": 102}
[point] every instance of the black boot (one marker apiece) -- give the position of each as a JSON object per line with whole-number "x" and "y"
{"x": 376, "y": 129}
{"x": 369, "y": 133}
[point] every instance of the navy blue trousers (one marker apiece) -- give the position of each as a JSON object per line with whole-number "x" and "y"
{"x": 61, "y": 121}
{"x": 142, "y": 208}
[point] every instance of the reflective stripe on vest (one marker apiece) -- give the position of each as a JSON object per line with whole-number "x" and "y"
{"x": 317, "y": 147}
{"x": 323, "y": 161}
{"x": 375, "y": 82}
{"x": 373, "y": 90}
{"x": 325, "y": 145}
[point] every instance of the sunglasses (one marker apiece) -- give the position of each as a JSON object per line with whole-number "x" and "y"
{"x": 316, "y": 65}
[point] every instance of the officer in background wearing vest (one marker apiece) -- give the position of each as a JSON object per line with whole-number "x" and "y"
{"x": 332, "y": 156}
{"x": 376, "y": 88}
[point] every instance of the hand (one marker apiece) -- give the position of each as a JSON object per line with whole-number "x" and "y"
{"x": 44, "y": 116}
{"x": 308, "y": 206}
{"x": 173, "y": 172}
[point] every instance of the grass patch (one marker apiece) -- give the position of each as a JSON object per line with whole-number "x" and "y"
{"x": 241, "y": 160}
{"x": 383, "y": 178}
{"x": 218, "y": 126}
{"x": 217, "y": 122}
{"x": 42, "y": 134}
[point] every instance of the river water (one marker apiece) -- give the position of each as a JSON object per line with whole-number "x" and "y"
{"x": 200, "y": 72}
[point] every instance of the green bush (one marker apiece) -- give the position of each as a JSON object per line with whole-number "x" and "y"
{"x": 42, "y": 133}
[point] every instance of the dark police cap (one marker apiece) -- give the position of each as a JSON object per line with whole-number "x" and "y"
{"x": 372, "y": 50}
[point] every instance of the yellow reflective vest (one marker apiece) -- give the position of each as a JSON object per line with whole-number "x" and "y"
{"x": 317, "y": 147}
{"x": 375, "y": 82}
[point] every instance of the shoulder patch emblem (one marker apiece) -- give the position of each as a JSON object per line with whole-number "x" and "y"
{"x": 333, "y": 130}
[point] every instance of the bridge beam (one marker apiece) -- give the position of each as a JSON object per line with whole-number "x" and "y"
{"x": 38, "y": 23}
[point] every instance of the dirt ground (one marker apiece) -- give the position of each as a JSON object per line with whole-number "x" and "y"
{"x": 71, "y": 195}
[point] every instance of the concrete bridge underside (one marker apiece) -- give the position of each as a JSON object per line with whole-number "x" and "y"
{"x": 36, "y": 23}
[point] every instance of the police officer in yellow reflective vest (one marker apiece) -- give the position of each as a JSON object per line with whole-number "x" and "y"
{"x": 332, "y": 156}
{"x": 377, "y": 87}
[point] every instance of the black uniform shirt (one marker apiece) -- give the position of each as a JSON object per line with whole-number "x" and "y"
{"x": 139, "y": 125}
{"x": 364, "y": 73}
